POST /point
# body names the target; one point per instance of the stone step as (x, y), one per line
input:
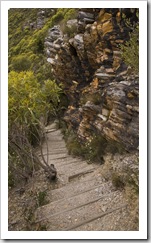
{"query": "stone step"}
(74, 212)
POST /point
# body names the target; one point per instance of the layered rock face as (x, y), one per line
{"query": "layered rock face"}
(103, 95)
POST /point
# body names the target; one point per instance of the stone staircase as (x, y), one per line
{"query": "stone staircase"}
(83, 199)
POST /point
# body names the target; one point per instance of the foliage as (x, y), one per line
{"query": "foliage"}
(74, 146)
(91, 150)
(96, 148)
(28, 102)
(118, 181)
(32, 93)
(70, 31)
(26, 44)
(130, 50)
(27, 97)
(71, 14)
(21, 63)
(41, 198)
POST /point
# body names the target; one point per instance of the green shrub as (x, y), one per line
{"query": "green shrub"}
(114, 147)
(41, 198)
(40, 45)
(130, 50)
(92, 150)
(71, 14)
(117, 181)
(57, 18)
(70, 31)
(21, 63)
(75, 147)
(95, 148)
(28, 102)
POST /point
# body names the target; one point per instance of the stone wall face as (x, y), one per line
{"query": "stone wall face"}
(103, 96)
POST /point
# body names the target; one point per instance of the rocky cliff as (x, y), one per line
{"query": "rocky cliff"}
(102, 92)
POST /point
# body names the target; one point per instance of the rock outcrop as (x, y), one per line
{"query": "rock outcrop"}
(103, 95)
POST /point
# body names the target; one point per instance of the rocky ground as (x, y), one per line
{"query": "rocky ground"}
(83, 198)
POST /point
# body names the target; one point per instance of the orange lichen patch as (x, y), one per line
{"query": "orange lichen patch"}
(94, 32)
(71, 107)
(116, 63)
(130, 95)
(107, 27)
(95, 83)
(118, 17)
(119, 41)
(106, 50)
(103, 17)
(104, 57)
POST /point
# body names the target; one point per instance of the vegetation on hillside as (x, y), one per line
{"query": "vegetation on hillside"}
(26, 41)
(32, 92)
(130, 50)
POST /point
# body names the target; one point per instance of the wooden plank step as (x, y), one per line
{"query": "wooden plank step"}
(75, 188)
(118, 220)
(95, 217)
(84, 198)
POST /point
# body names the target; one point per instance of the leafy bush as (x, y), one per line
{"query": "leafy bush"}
(28, 102)
(27, 97)
(41, 198)
(71, 14)
(96, 148)
(57, 18)
(91, 150)
(74, 146)
(70, 31)
(21, 63)
(118, 181)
